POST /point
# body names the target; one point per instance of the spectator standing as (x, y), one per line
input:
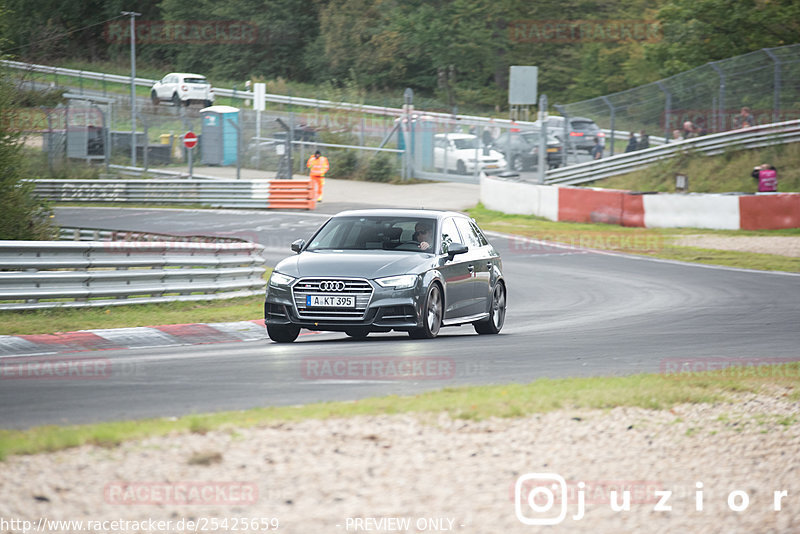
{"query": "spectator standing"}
(744, 119)
(689, 130)
(767, 176)
(677, 135)
(597, 149)
(644, 140)
(318, 165)
(632, 143)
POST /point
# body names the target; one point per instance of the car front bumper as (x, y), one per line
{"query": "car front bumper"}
(387, 309)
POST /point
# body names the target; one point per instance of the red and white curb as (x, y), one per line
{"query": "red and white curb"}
(132, 338)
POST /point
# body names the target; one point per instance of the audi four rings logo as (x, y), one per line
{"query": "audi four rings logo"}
(331, 286)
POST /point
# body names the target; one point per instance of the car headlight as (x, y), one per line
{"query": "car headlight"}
(280, 280)
(404, 281)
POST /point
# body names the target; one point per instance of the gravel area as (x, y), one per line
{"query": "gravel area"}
(325, 476)
(780, 245)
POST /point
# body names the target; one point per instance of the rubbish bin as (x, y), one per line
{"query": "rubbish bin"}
(165, 139)
(220, 138)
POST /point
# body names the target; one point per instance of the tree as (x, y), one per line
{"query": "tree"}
(22, 215)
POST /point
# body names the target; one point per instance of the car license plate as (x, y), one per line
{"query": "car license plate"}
(491, 166)
(552, 150)
(330, 301)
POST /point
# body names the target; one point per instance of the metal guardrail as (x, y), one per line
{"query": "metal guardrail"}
(216, 193)
(275, 99)
(67, 233)
(52, 274)
(756, 137)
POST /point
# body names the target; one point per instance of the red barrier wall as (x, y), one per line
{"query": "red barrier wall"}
(590, 205)
(633, 210)
(769, 212)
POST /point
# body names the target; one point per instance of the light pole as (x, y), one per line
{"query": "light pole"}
(133, 14)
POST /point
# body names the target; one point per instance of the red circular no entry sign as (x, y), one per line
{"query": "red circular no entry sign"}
(190, 140)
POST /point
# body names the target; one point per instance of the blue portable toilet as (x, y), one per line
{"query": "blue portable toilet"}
(220, 139)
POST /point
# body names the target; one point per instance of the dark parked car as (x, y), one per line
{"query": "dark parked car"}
(375, 271)
(582, 132)
(523, 152)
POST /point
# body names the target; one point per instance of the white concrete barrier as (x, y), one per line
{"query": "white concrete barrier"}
(719, 212)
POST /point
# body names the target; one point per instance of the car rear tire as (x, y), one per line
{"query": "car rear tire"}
(432, 314)
(516, 163)
(497, 312)
(460, 167)
(283, 334)
(176, 100)
(208, 103)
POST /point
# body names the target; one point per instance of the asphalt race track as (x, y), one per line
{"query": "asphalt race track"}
(571, 312)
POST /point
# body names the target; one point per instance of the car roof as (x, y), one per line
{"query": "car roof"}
(185, 74)
(456, 135)
(399, 212)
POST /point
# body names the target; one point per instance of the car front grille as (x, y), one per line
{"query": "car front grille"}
(357, 287)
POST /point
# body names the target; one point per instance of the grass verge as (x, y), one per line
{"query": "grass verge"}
(654, 242)
(70, 319)
(649, 391)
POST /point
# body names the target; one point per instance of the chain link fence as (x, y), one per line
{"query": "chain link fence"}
(711, 97)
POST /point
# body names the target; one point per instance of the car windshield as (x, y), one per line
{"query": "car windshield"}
(374, 233)
(466, 143)
(532, 138)
(196, 80)
(583, 125)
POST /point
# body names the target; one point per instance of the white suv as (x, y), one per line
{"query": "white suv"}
(463, 152)
(183, 87)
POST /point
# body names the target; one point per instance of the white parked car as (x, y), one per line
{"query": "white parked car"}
(183, 88)
(463, 153)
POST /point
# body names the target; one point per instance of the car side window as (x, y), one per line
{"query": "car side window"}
(449, 235)
(477, 231)
(468, 234)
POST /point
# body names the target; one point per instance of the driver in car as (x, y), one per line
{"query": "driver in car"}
(422, 235)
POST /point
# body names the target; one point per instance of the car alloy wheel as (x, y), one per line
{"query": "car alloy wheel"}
(497, 313)
(283, 334)
(516, 163)
(431, 315)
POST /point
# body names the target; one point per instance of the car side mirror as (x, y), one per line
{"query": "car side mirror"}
(298, 245)
(456, 248)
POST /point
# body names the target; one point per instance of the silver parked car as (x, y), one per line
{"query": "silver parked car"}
(380, 270)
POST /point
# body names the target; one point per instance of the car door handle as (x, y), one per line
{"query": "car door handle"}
(471, 268)
(489, 264)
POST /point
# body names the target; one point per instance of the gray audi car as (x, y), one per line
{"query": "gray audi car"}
(380, 270)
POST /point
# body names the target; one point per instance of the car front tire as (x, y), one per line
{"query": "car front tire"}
(283, 334)
(154, 98)
(432, 314)
(497, 312)
(461, 168)
(357, 333)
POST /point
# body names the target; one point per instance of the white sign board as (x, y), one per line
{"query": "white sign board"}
(522, 85)
(259, 95)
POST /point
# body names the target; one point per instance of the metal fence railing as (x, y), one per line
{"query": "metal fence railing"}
(710, 97)
(51, 274)
(748, 138)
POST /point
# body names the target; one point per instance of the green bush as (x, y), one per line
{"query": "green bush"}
(381, 168)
